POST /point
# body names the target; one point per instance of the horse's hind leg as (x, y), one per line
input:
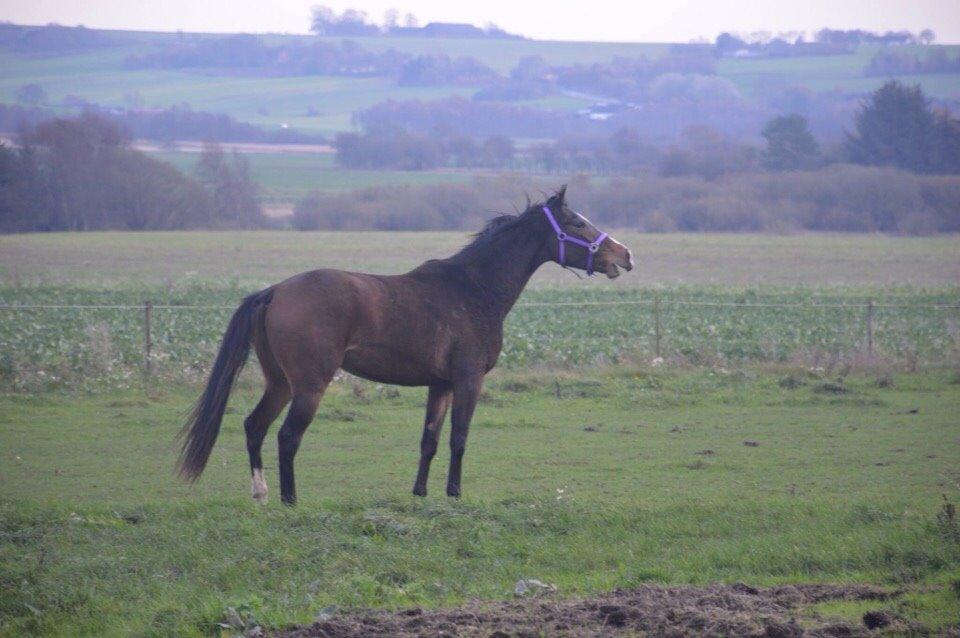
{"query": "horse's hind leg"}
(302, 409)
(274, 398)
(438, 400)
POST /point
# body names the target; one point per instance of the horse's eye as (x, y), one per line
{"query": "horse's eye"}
(579, 223)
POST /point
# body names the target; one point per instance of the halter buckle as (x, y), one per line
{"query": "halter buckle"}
(562, 239)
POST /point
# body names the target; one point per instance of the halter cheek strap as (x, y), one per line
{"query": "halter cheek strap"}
(563, 238)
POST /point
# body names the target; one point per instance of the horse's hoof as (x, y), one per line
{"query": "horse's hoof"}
(453, 491)
(258, 487)
(419, 490)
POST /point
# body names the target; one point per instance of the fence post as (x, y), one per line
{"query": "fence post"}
(656, 326)
(147, 340)
(870, 329)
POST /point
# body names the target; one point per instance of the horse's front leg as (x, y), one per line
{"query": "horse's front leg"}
(438, 400)
(466, 392)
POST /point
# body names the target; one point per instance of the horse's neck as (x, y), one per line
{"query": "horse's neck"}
(504, 270)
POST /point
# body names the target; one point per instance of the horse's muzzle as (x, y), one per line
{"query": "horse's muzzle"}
(619, 256)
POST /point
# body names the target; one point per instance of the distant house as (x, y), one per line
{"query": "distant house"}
(899, 38)
(602, 111)
(452, 30)
(409, 31)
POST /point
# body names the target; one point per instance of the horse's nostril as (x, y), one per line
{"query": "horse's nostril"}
(629, 265)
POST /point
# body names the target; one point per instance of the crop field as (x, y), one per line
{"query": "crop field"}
(95, 348)
(99, 77)
(760, 451)
(816, 317)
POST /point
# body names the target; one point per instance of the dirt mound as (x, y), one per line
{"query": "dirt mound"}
(728, 610)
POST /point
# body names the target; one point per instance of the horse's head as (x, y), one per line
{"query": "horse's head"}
(577, 243)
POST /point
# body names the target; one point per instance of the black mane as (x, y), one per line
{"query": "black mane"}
(493, 230)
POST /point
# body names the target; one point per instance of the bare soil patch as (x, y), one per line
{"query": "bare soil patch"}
(716, 610)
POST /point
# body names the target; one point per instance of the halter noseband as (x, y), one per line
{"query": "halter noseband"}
(563, 238)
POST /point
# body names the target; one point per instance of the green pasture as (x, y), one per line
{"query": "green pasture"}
(270, 102)
(591, 481)
(844, 73)
(286, 177)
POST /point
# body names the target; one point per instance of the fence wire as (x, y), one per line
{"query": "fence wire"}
(103, 344)
(541, 304)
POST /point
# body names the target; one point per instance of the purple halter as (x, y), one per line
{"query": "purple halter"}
(563, 238)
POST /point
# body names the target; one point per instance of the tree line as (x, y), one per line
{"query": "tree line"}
(888, 62)
(415, 151)
(162, 125)
(896, 126)
(669, 105)
(53, 39)
(315, 57)
(355, 22)
(825, 42)
(82, 174)
(839, 198)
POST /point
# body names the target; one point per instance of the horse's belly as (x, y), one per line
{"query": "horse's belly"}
(386, 366)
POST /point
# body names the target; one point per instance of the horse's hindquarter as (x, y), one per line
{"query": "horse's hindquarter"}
(308, 324)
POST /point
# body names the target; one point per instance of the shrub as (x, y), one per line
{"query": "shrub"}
(841, 198)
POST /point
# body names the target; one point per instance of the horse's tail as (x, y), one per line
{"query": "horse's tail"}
(200, 431)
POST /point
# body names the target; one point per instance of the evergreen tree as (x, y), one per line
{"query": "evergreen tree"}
(790, 145)
(896, 127)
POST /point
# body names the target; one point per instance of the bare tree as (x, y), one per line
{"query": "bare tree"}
(391, 18)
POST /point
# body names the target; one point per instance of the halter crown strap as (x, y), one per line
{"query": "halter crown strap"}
(563, 238)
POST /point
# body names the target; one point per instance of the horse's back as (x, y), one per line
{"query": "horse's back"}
(390, 328)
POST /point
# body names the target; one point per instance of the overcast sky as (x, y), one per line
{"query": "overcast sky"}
(610, 20)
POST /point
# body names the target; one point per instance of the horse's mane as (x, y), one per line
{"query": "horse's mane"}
(495, 229)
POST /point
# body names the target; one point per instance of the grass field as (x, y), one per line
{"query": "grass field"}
(627, 478)
(132, 261)
(757, 77)
(99, 77)
(593, 475)
(287, 177)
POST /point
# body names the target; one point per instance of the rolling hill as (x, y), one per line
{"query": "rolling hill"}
(325, 104)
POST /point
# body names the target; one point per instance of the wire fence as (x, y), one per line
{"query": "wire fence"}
(97, 344)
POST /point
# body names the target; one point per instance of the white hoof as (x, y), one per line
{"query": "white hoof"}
(258, 487)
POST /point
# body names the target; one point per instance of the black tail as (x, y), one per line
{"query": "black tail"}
(201, 429)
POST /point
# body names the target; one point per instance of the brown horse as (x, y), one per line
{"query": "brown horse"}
(439, 325)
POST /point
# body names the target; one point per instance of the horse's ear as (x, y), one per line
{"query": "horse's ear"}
(558, 201)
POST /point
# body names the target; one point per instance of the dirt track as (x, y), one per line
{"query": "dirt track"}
(727, 610)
